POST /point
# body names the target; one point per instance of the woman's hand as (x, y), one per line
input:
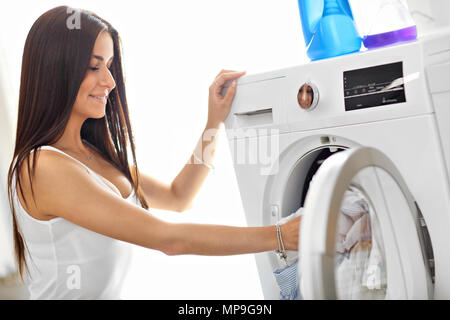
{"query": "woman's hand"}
(290, 233)
(218, 105)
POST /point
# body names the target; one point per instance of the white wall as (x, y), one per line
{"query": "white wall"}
(6, 151)
(430, 14)
(172, 52)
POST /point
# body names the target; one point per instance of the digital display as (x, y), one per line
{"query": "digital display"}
(374, 86)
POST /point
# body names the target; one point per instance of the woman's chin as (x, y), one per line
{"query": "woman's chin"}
(98, 116)
(95, 115)
(97, 112)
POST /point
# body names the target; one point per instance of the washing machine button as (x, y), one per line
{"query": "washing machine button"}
(308, 96)
(274, 212)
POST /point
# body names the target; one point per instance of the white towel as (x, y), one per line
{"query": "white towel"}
(354, 203)
(359, 232)
(360, 272)
(353, 221)
(362, 275)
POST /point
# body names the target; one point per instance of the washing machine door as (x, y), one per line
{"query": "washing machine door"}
(362, 235)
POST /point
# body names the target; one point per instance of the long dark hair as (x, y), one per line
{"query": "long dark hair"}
(55, 60)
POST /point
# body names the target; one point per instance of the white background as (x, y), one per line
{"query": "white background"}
(172, 52)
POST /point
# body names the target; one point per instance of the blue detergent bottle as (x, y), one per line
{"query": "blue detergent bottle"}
(328, 27)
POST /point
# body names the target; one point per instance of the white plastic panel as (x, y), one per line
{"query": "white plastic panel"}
(257, 104)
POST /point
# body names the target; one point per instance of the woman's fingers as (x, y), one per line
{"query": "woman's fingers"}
(225, 71)
(231, 92)
(219, 105)
(222, 78)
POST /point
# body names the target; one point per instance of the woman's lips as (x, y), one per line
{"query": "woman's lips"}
(101, 99)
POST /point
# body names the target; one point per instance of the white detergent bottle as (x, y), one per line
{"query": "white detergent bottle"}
(384, 22)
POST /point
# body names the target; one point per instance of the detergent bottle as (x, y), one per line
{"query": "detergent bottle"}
(329, 28)
(385, 22)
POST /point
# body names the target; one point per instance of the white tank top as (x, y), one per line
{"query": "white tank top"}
(69, 261)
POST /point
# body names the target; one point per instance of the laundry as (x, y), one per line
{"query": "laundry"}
(286, 273)
(349, 272)
(354, 257)
(287, 279)
(353, 221)
(361, 275)
(360, 271)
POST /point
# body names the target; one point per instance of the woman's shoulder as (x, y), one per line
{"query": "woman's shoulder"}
(44, 159)
(51, 170)
(47, 159)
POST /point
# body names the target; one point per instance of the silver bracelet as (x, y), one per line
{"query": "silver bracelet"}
(281, 251)
(210, 166)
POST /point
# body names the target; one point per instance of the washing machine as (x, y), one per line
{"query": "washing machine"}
(374, 121)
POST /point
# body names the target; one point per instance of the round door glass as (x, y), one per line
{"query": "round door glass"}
(362, 235)
(360, 268)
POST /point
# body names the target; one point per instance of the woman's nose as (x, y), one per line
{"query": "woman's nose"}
(108, 80)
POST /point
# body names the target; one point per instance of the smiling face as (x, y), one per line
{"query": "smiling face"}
(98, 81)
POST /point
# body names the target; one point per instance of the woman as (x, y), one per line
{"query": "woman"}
(79, 198)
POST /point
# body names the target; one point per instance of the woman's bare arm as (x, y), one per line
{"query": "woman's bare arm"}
(65, 189)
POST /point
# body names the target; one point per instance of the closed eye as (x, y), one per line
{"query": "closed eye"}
(100, 58)
(97, 68)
